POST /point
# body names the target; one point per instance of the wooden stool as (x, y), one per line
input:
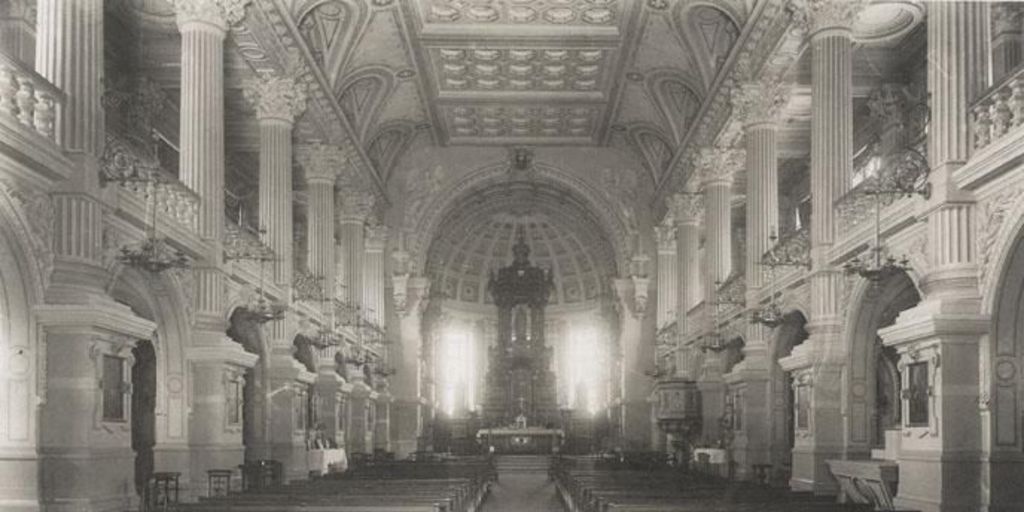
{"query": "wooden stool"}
(162, 493)
(219, 481)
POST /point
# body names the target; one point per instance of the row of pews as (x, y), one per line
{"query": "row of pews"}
(393, 486)
(589, 485)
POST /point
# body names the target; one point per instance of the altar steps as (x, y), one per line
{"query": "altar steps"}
(506, 464)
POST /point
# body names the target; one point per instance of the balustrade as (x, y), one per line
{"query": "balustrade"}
(139, 174)
(27, 98)
(999, 111)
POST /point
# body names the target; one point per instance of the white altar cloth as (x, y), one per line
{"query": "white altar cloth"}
(327, 461)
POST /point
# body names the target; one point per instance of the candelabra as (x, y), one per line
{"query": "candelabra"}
(770, 315)
(263, 310)
(879, 266)
(713, 340)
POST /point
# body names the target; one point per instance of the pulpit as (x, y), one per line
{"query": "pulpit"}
(677, 409)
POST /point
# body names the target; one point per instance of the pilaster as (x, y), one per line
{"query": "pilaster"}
(406, 419)
(636, 359)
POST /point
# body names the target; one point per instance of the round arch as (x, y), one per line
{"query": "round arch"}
(874, 306)
(21, 287)
(597, 203)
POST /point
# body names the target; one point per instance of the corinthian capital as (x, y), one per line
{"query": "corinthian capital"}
(276, 97)
(375, 235)
(665, 236)
(355, 204)
(718, 165)
(218, 13)
(814, 16)
(759, 102)
(687, 208)
(320, 161)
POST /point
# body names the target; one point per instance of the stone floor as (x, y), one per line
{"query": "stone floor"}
(523, 492)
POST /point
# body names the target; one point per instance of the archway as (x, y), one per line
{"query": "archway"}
(244, 331)
(872, 394)
(788, 336)
(143, 411)
(1002, 397)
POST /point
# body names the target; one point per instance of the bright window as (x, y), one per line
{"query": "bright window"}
(586, 369)
(457, 371)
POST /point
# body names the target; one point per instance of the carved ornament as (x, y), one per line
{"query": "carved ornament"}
(220, 13)
(687, 207)
(718, 165)
(276, 97)
(814, 16)
(320, 161)
(760, 101)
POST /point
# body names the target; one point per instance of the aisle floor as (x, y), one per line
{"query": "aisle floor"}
(523, 492)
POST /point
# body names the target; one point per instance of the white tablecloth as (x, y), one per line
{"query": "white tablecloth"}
(715, 455)
(327, 461)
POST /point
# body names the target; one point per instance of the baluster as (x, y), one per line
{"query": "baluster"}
(26, 98)
(8, 91)
(45, 114)
(1000, 113)
(1017, 100)
(982, 127)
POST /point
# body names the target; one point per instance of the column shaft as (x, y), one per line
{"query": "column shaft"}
(762, 198)
(69, 53)
(201, 136)
(320, 225)
(718, 259)
(275, 189)
(668, 280)
(831, 129)
(352, 258)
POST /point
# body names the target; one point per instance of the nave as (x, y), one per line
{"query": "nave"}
(523, 483)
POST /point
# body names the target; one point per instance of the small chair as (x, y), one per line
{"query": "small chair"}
(762, 472)
(219, 481)
(162, 492)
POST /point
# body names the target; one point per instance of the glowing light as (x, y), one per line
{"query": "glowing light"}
(457, 371)
(586, 369)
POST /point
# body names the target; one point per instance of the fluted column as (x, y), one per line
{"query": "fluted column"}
(355, 206)
(203, 25)
(668, 269)
(717, 166)
(947, 330)
(69, 53)
(687, 209)
(828, 25)
(18, 30)
(1007, 37)
(321, 164)
(374, 242)
(278, 101)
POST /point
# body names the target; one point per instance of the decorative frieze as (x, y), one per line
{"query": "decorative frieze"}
(814, 16)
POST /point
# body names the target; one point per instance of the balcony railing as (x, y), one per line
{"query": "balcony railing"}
(26, 98)
(999, 111)
(137, 172)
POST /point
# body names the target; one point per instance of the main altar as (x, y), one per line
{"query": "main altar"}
(520, 383)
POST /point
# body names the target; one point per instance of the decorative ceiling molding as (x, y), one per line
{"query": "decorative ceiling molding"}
(711, 32)
(361, 96)
(677, 97)
(388, 144)
(329, 29)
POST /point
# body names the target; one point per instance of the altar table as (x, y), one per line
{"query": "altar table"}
(327, 461)
(531, 440)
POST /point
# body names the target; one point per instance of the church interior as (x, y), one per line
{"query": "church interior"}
(511, 255)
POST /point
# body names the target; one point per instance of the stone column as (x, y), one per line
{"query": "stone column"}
(635, 412)
(321, 164)
(355, 207)
(360, 433)
(406, 419)
(757, 105)
(939, 462)
(289, 394)
(1007, 38)
(665, 237)
(687, 211)
(375, 239)
(278, 101)
(18, 30)
(69, 53)
(382, 427)
(331, 389)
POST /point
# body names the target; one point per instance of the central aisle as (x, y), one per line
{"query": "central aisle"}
(522, 486)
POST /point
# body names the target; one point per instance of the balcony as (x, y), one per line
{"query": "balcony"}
(28, 100)
(999, 111)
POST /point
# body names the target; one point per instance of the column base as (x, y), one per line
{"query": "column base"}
(19, 471)
(89, 480)
(811, 473)
(933, 483)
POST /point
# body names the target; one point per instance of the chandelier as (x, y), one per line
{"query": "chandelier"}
(771, 315)
(327, 335)
(153, 253)
(880, 266)
(263, 310)
(713, 341)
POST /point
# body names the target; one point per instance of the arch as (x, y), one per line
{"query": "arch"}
(329, 28)
(362, 95)
(677, 98)
(655, 149)
(1002, 389)
(875, 305)
(20, 351)
(787, 336)
(711, 32)
(608, 213)
(387, 145)
(161, 300)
